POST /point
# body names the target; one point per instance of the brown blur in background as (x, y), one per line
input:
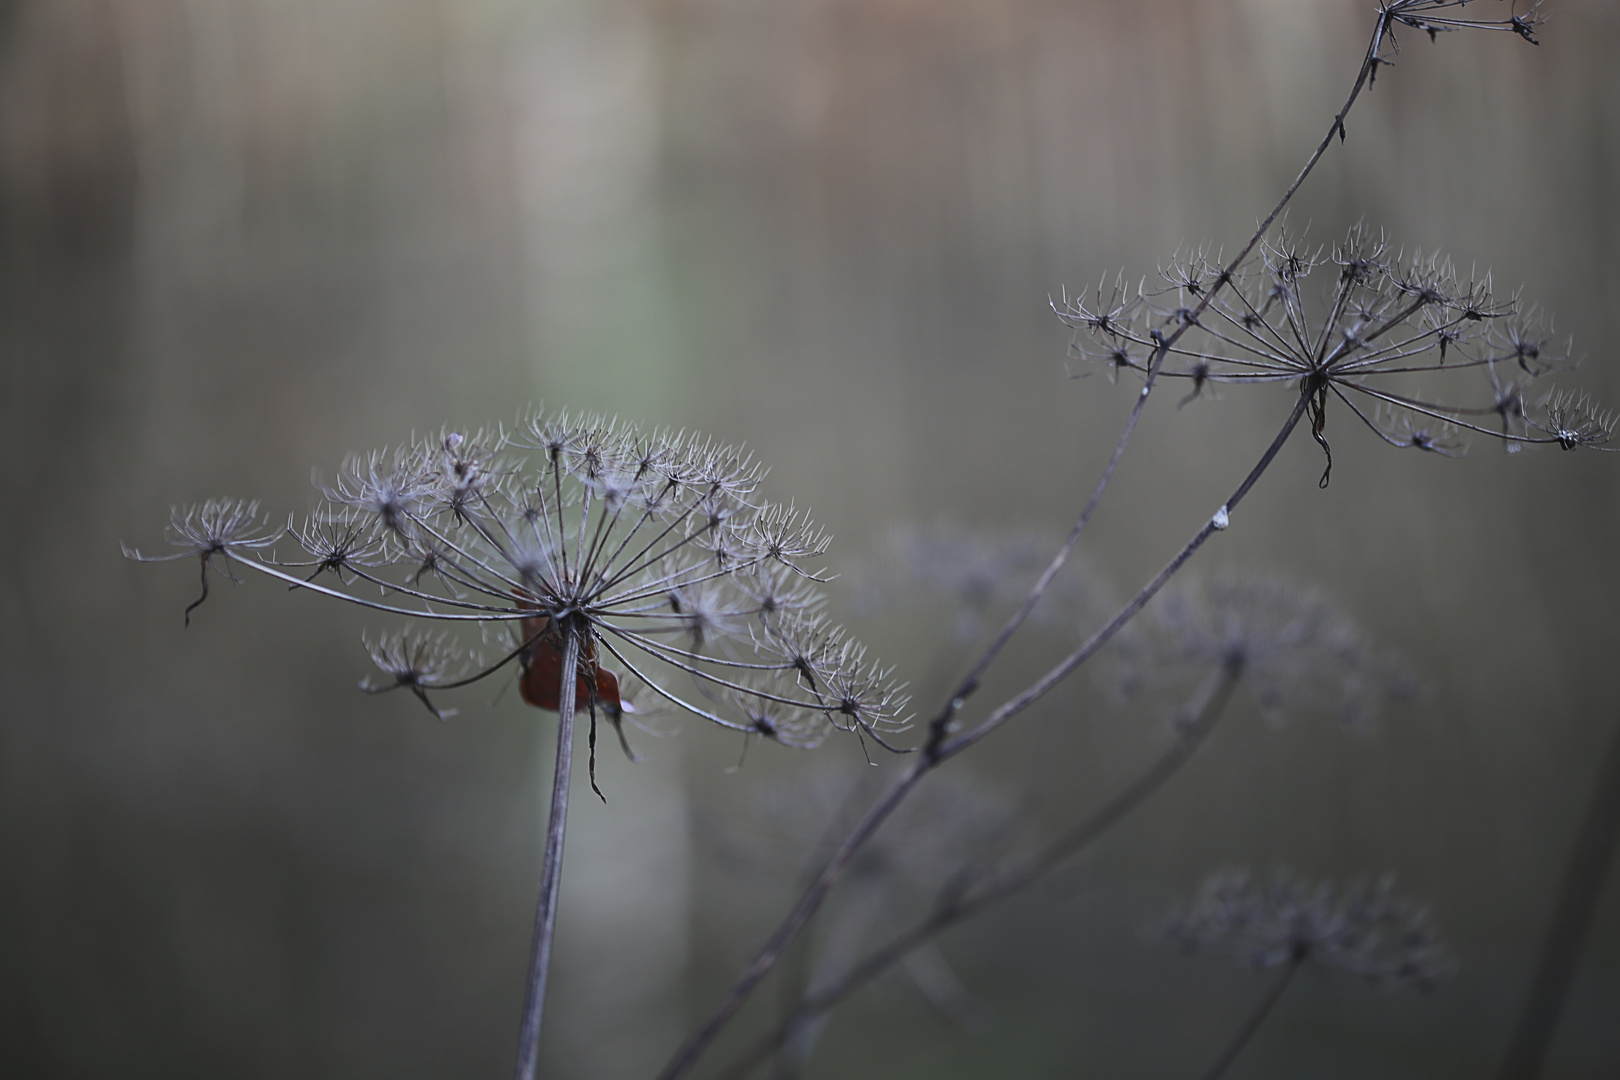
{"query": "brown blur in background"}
(243, 238)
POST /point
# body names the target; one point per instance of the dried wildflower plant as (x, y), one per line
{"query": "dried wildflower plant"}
(589, 553)
(1357, 324)
(588, 550)
(1290, 647)
(1358, 328)
(1366, 929)
(653, 552)
(950, 831)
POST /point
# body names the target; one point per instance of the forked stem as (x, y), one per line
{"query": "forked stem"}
(545, 914)
(1196, 718)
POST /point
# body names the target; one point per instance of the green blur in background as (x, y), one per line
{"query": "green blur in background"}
(244, 239)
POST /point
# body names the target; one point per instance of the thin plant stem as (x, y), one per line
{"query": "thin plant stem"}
(1195, 720)
(1589, 861)
(545, 914)
(1256, 1018)
(1042, 686)
(940, 726)
(926, 762)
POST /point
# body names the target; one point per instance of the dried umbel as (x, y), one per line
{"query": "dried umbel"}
(652, 552)
(1289, 646)
(1356, 324)
(1435, 17)
(1367, 929)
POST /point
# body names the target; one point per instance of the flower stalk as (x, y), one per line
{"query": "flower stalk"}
(545, 913)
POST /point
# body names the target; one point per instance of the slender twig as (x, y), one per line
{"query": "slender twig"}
(1589, 861)
(934, 750)
(545, 914)
(1194, 721)
(1256, 1018)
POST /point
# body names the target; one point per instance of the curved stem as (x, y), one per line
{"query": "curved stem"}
(1256, 1018)
(1196, 718)
(545, 915)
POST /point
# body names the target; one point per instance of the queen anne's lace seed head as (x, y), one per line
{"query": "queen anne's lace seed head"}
(1358, 328)
(339, 540)
(978, 576)
(653, 552)
(1367, 929)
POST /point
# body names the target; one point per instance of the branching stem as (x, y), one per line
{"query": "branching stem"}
(925, 763)
(1194, 721)
(939, 746)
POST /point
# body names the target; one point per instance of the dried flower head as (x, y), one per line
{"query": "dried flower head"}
(1292, 648)
(1574, 419)
(414, 662)
(652, 553)
(1435, 17)
(222, 529)
(1356, 324)
(1366, 929)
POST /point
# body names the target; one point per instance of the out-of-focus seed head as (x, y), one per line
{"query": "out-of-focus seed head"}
(1290, 647)
(978, 574)
(1367, 929)
(953, 827)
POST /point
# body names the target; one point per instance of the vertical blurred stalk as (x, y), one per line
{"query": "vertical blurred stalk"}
(1571, 919)
(545, 915)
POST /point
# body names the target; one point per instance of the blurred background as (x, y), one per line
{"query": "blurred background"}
(243, 239)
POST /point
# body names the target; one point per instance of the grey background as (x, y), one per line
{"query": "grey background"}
(242, 239)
